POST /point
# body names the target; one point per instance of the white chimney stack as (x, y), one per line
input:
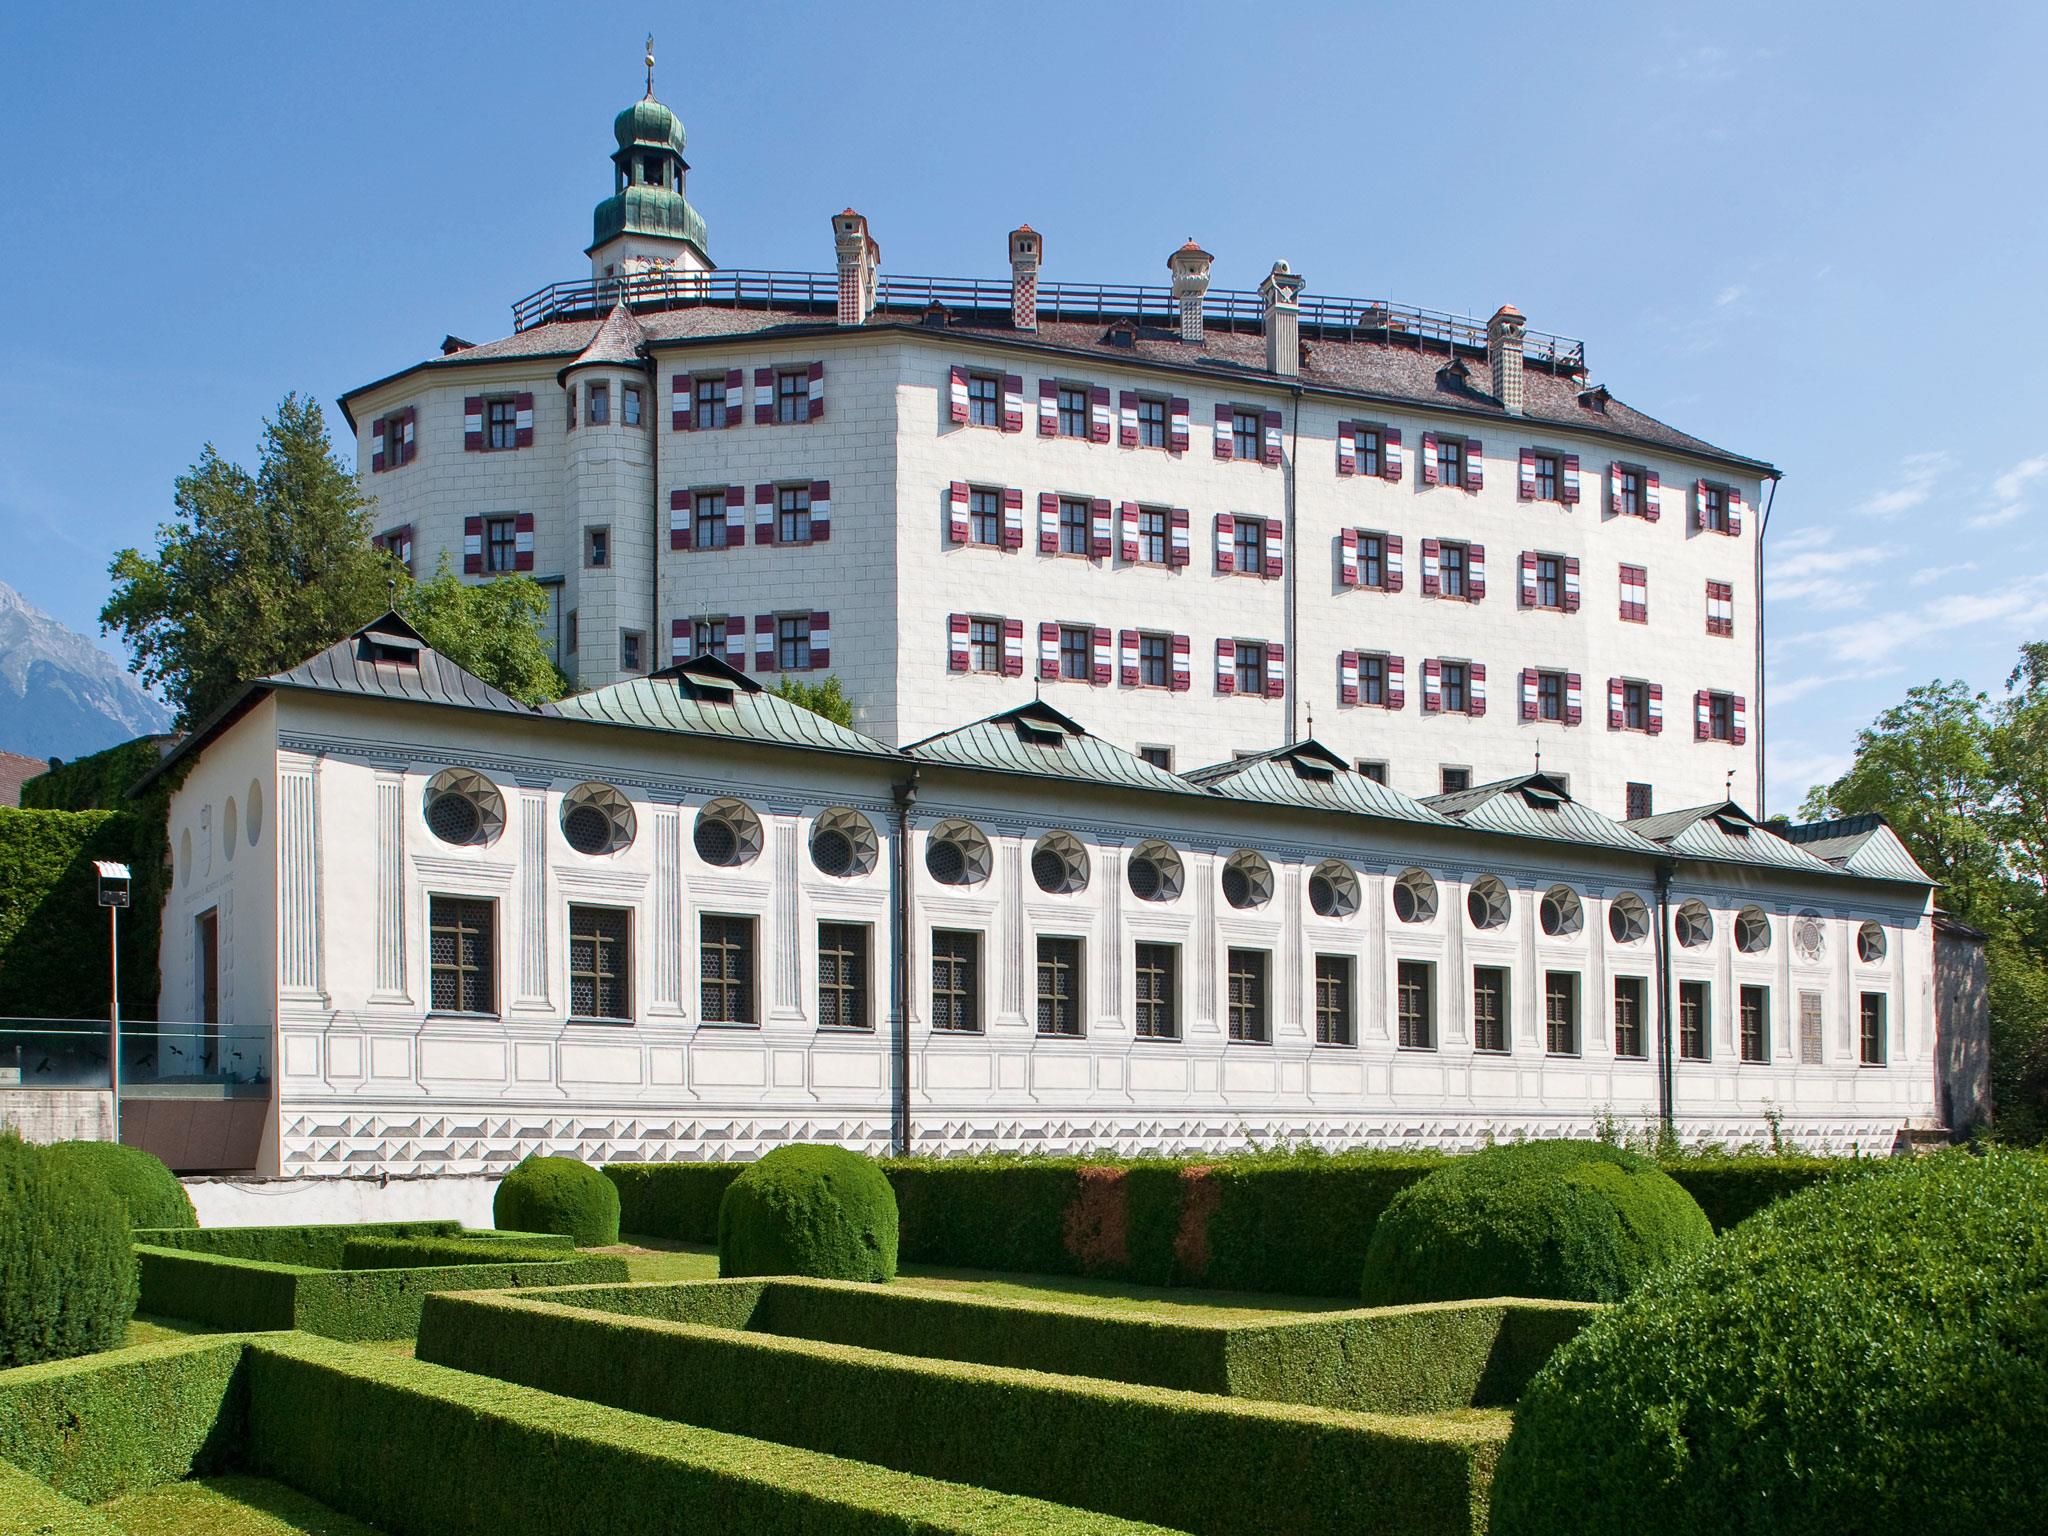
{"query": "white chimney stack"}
(1027, 249)
(1280, 300)
(1190, 268)
(859, 257)
(1504, 333)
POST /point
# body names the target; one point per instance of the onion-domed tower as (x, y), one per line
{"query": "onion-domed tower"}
(647, 225)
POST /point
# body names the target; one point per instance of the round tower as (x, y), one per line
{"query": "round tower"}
(647, 224)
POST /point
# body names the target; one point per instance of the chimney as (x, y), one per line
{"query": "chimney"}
(1027, 246)
(1280, 307)
(1504, 334)
(1190, 268)
(858, 258)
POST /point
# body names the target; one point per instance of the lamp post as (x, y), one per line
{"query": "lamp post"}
(114, 882)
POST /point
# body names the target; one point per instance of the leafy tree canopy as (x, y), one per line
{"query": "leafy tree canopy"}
(825, 698)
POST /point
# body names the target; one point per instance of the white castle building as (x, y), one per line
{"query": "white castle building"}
(1084, 877)
(1191, 519)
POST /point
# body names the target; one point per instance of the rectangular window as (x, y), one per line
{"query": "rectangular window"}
(1692, 1021)
(629, 405)
(1415, 1004)
(843, 990)
(985, 644)
(1721, 716)
(1720, 608)
(1756, 1023)
(1546, 477)
(792, 395)
(1374, 769)
(597, 548)
(1639, 804)
(985, 516)
(1490, 1008)
(1333, 1000)
(1077, 653)
(1075, 538)
(984, 400)
(1152, 535)
(793, 514)
(1158, 757)
(956, 979)
(1549, 581)
(1059, 986)
(725, 968)
(1561, 1013)
(501, 421)
(1453, 781)
(707, 520)
(1629, 995)
(793, 642)
(1631, 492)
(1452, 562)
(1450, 461)
(707, 635)
(1809, 1029)
(1549, 695)
(1871, 1020)
(1456, 686)
(501, 544)
(1151, 421)
(1372, 561)
(707, 402)
(1635, 706)
(1372, 680)
(1717, 509)
(1247, 994)
(462, 954)
(1158, 967)
(394, 441)
(1073, 411)
(632, 646)
(1248, 546)
(1154, 660)
(600, 964)
(600, 399)
(1251, 667)
(1366, 443)
(1245, 436)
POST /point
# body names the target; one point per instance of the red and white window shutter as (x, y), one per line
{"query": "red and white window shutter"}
(1226, 666)
(1103, 658)
(1048, 523)
(1390, 454)
(1571, 583)
(1048, 652)
(1525, 480)
(736, 641)
(1347, 677)
(682, 409)
(1348, 559)
(1734, 512)
(821, 511)
(735, 516)
(1529, 578)
(764, 514)
(1179, 550)
(1738, 719)
(1653, 496)
(958, 626)
(1347, 450)
(522, 541)
(1397, 682)
(1428, 466)
(1635, 594)
(1720, 608)
(1615, 504)
(1616, 716)
(1183, 664)
(1127, 530)
(957, 398)
(680, 529)
(1432, 686)
(764, 397)
(1177, 431)
(1127, 657)
(1475, 572)
(735, 397)
(1276, 549)
(1475, 466)
(958, 527)
(821, 641)
(1276, 671)
(1223, 445)
(1127, 418)
(1048, 407)
(1653, 708)
(1394, 572)
(1013, 517)
(1475, 688)
(1568, 488)
(1013, 402)
(764, 642)
(472, 546)
(1574, 699)
(1098, 414)
(1702, 715)
(473, 424)
(1226, 542)
(1013, 647)
(1432, 568)
(1101, 542)
(815, 385)
(1270, 434)
(1529, 686)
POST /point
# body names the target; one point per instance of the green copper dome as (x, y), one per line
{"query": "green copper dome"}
(647, 196)
(647, 211)
(647, 121)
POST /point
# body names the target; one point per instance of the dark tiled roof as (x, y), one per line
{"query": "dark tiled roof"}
(387, 659)
(617, 342)
(1037, 739)
(1858, 845)
(1726, 834)
(15, 771)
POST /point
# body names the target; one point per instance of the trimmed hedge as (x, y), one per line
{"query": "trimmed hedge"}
(819, 1211)
(1576, 1220)
(1871, 1355)
(676, 1201)
(311, 1247)
(1194, 1462)
(104, 1425)
(67, 1277)
(147, 1190)
(426, 1252)
(460, 1455)
(559, 1194)
(30, 1507)
(53, 942)
(1733, 1189)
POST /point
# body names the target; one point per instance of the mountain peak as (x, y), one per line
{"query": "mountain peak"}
(61, 695)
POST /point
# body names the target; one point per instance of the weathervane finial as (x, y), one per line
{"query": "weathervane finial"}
(650, 66)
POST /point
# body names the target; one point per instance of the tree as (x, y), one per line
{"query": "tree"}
(827, 698)
(258, 572)
(491, 629)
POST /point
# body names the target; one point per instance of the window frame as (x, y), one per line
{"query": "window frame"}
(1443, 778)
(1550, 582)
(1076, 652)
(1248, 1020)
(1247, 545)
(963, 980)
(977, 643)
(985, 502)
(984, 397)
(704, 637)
(1454, 566)
(1162, 1022)
(1695, 1037)
(793, 396)
(1635, 704)
(709, 401)
(1073, 530)
(1155, 649)
(1561, 1009)
(597, 547)
(1649, 800)
(861, 991)
(746, 944)
(1550, 469)
(1374, 768)
(1155, 429)
(1448, 675)
(501, 423)
(1873, 1049)
(1415, 1029)
(707, 519)
(793, 514)
(622, 970)
(1240, 435)
(1068, 957)
(597, 403)
(487, 935)
(1639, 1001)
(793, 631)
(1372, 559)
(1450, 461)
(632, 406)
(1368, 448)
(1073, 409)
(1336, 1000)
(1550, 694)
(1502, 987)
(501, 537)
(1151, 537)
(1720, 716)
(1248, 660)
(1748, 994)
(632, 642)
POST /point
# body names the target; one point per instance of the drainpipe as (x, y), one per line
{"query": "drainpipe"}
(1666, 1088)
(1763, 527)
(899, 967)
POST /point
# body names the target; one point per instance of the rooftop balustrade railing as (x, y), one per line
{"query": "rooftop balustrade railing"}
(50, 1054)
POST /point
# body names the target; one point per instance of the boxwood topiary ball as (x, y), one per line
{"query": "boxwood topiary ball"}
(1869, 1355)
(67, 1272)
(819, 1211)
(559, 1194)
(149, 1191)
(1574, 1220)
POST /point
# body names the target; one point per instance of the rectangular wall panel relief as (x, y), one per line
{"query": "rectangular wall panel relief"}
(533, 898)
(667, 937)
(600, 1063)
(300, 946)
(462, 1060)
(846, 1069)
(1292, 1020)
(789, 945)
(1012, 919)
(955, 1070)
(390, 914)
(1111, 1003)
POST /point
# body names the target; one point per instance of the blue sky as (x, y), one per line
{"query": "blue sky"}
(1810, 233)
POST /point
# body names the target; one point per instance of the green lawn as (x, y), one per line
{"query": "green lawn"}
(228, 1506)
(654, 1259)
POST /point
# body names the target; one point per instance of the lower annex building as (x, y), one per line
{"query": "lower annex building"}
(680, 917)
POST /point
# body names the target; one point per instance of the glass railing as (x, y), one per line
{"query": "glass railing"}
(50, 1054)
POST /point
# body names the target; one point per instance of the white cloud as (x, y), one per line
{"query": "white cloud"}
(2019, 607)
(1729, 295)
(1935, 573)
(1790, 771)
(1797, 688)
(1811, 570)
(1918, 473)
(1998, 517)
(2009, 490)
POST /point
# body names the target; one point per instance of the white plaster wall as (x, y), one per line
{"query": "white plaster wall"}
(337, 1198)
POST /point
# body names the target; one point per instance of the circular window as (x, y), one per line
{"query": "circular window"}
(230, 831)
(597, 819)
(1247, 880)
(1488, 903)
(1415, 897)
(957, 853)
(1752, 931)
(1333, 889)
(1155, 872)
(1628, 918)
(1694, 925)
(253, 812)
(727, 834)
(1870, 943)
(185, 857)
(843, 843)
(1810, 937)
(1561, 914)
(1060, 864)
(463, 808)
